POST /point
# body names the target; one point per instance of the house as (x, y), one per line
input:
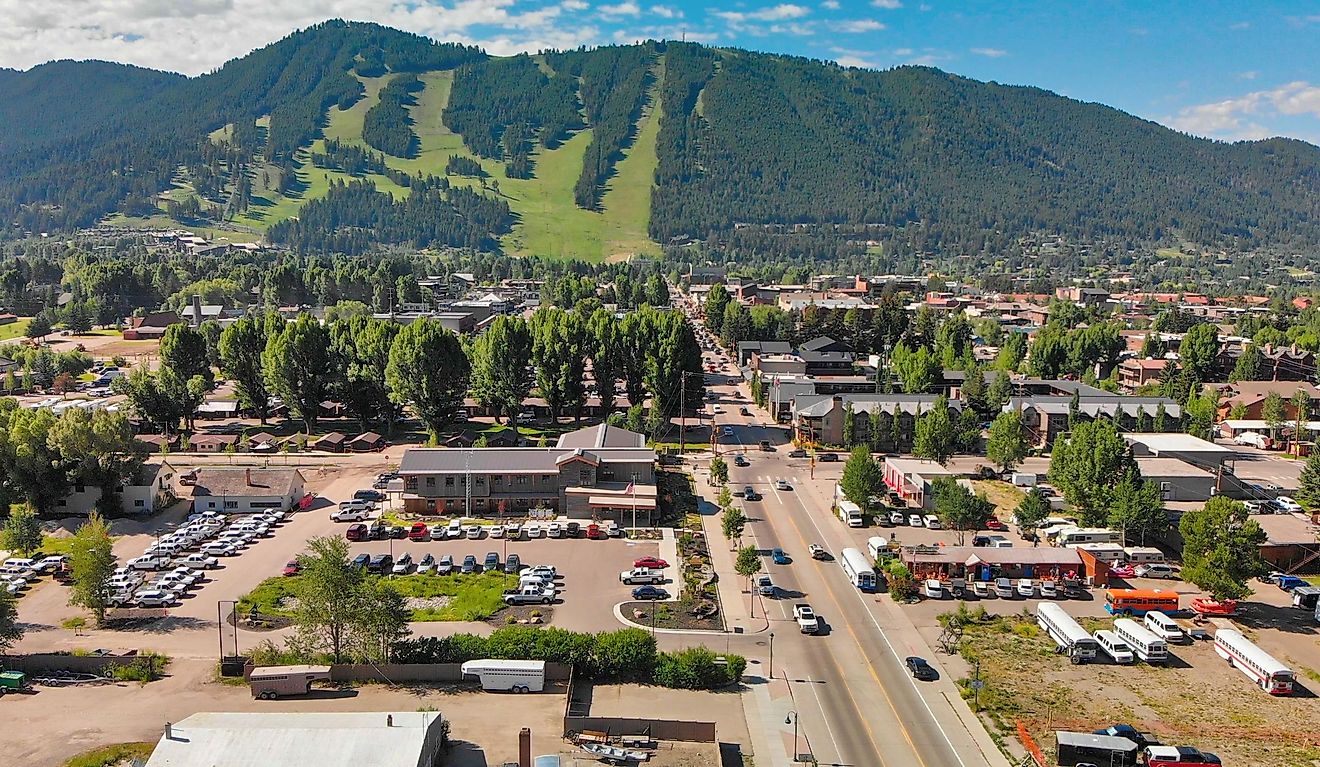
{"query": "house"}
(212, 443)
(1134, 373)
(264, 442)
(331, 443)
(158, 443)
(822, 418)
(501, 437)
(325, 739)
(331, 409)
(1246, 399)
(151, 326)
(218, 409)
(1177, 479)
(1047, 416)
(600, 472)
(705, 275)
(366, 442)
(243, 490)
(748, 348)
(1287, 363)
(911, 478)
(149, 490)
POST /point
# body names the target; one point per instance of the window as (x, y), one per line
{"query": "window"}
(430, 481)
(62, 502)
(410, 483)
(449, 481)
(584, 477)
(139, 503)
(497, 480)
(210, 504)
(521, 479)
(481, 480)
(231, 504)
(79, 488)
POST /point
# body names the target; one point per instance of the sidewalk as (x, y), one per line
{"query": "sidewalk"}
(767, 705)
(734, 601)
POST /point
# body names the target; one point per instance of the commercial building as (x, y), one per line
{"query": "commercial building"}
(1045, 417)
(239, 491)
(1184, 447)
(822, 418)
(985, 563)
(911, 478)
(1246, 399)
(601, 472)
(1177, 479)
(325, 739)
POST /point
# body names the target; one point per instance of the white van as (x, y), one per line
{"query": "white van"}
(18, 564)
(1004, 588)
(932, 522)
(1164, 627)
(1113, 646)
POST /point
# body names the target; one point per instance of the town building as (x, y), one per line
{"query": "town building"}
(1136, 373)
(151, 326)
(1178, 480)
(600, 472)
(1045, 417)
(912, 478)
(325, 739)
(1184, 447)
(236, 490)
(822, 418)
(1246, 399)
(150, 489)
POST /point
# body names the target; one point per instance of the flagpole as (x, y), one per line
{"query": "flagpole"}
(633, 485)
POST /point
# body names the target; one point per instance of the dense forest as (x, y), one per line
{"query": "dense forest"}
(755, 153)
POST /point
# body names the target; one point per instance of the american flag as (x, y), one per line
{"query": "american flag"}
(631, 488)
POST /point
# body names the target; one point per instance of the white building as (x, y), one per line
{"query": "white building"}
(239, 490)
(152, 489)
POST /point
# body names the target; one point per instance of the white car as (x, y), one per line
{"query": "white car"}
(403, 564)
(171, 582)
(149, 562)
(513, 531)
(1026, 588)
(782, 484)
(1155, 570)
(188, 574)
(915, 520)
(1288, 504)
(534, 530)
(349, 515)
(156, 598)
(220, 549)
(473, 531)
(120, 597)
(455, 528)
(496, 531)
(51, 563)
(544, 572)
(932, 522)
(555, 530)
(198, 561)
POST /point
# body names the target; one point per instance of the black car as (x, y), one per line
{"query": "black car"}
(513, 564)
(740, 460)
(361, 560)
(380, 563)
(827, 457)
(649, 592)
(492, 562)
(920, 669)
(369, 495)
(572, 529)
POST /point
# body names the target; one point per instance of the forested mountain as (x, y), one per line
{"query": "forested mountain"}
(781, 153)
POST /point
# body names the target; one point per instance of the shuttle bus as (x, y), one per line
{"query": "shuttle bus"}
(850, 513)
(875, 545)
(1243, 654)
(1128, 602)
(1066, 632)
(859, 571)
(507, 675)
(1145, 645)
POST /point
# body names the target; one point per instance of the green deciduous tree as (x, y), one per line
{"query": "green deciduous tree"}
(603, 347)
(719, 470)
(748, 562)
(716, 300)
(501, 366)
(560, 345)
(1308, 491)
(328, 591)
(935, 438)
(1006, 444)
(1088, 465)
(361, 347)
(91, 565)
(1221, 548)
(299, 367)
(1274, 411)
(1137, 509)
(917, 370)
(240, 348)
(22, 531)
(733, 522)
(183, 351)
(862, 477)
(10, 629)
(1032, 509)
(1248, 365)
(428, 371)
(958, 508)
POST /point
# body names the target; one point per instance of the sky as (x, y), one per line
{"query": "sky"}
(1225, 70)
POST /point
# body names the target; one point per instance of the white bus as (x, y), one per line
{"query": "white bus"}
(874, 545)
(858, 570)
(850, 513)
(1066, 632)
(1145, 645)
(507, 675)
(1243, 654)
(1073, 535)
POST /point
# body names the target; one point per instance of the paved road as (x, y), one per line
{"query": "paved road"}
(857, 704)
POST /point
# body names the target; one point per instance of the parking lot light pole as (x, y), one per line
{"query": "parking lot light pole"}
(772, 655)
(793, 716)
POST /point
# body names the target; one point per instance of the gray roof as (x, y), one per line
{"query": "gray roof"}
(810, 356)
(265, 482)
(770, 347)
(601, 435)
(819, 342)
(1092, 406)
(816, 406)
(510, 460)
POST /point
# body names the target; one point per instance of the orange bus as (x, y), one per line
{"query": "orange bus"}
(1140, 601)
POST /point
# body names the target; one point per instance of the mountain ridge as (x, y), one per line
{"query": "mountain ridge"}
(776, 140)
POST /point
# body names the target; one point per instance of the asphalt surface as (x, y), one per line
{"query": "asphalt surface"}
(856, 702)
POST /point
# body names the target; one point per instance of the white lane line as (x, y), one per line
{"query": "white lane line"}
(838, 753)
(867, 609)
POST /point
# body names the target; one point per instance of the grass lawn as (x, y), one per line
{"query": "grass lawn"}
(15, 329)
(52, 545)
(471, 597)
(111, 756)
(1003, 495)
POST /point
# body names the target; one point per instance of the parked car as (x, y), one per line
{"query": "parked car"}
(994, 524)
(427, 565)
(454, 529)
(357, 532)
(473, 531)
(419, 532)
(469, 564)
(1288, 504)
(915, 520)
(782, 484)
(1049, 590)
(361, 561)
(199, 561)
(920, 669)
(492, 563)
(369, 495)
(445, 566)
(1155, 570)
(1289, 582)
(403, 565)
(155, 598)
(654, 563)
(544, 572)
(292, 568)
(349, 514)
(495, 531)
(512, 564)
(380, 563)
(797, 452)
(1026, 588)
(649, 592)
(827, 457)
(778, 556)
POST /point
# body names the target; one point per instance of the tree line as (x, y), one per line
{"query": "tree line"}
(387, 126)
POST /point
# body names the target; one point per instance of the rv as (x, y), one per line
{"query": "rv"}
(1145, 645)
(270, 682)
(1105, 552)
(1243, 654)
(507, 675)
(859, 571)
(1072, 535)
(1066, 632)
(1142, 555)
(1074, 748)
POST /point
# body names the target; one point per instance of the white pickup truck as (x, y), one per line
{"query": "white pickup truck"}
(806, 618)
(642, 575)
(530, 595)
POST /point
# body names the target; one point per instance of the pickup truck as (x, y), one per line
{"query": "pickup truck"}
(529, 595)
(639, 575)
(806, 618)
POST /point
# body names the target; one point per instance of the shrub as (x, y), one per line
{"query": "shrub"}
(146, 667)
(694, 668)
(901, 584)
(627, 656)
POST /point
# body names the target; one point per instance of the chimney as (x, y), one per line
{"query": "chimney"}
(169, 731)
(197, 309)
(247, 473)
(525, 748)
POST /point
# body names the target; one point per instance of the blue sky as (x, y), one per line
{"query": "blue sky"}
(1226, 70)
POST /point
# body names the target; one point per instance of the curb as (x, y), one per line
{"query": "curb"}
(618, 614)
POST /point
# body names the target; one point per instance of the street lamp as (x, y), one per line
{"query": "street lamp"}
(772, 655)
(793, 717)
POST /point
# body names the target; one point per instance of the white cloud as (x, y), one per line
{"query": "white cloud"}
(781, 12)
(856, 26)
(1244, 117)
(1250, 74)
(574, 5)
(830, 5)
(626, 8)
(902, 52)
(854, 61)
(665, 12)
(993, 53)
(891, 5)
(1240, 25)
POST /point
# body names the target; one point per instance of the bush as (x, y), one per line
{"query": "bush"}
(694, 668)
(626, 656)
(901, 584)
(146, 667)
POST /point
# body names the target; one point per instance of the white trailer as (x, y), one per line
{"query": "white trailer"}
(1067, 633)
(497, 675)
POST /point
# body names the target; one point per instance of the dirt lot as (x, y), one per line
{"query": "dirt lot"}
(1196, 700)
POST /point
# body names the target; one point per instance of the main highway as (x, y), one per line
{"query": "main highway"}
(856, 703)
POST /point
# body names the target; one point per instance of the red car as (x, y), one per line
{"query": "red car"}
(994, 524)
(653, 563)
(357, 532)
(419, 532)
(292, 567)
